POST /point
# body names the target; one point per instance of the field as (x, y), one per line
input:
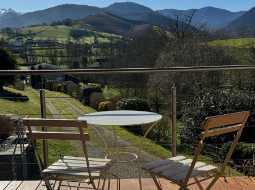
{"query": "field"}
(236, 43)
(241, 49)
(62, 33)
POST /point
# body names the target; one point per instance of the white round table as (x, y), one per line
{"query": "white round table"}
(121, 118)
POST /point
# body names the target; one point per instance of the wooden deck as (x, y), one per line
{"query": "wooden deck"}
(234, 183)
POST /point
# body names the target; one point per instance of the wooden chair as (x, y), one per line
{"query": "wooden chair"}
(180, 170)
(81, 169)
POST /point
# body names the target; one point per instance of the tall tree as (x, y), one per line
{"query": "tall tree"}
(7, 62)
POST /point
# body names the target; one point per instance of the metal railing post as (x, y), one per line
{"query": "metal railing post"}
(173, 119)
(43, 115)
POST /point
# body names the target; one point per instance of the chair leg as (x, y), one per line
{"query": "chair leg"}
(183, 188)
(199, 184)
(109, 183)
(156, 182)
(47, 183)
(104, 183)
(59, 185)
(99, 181)
(213, 182)
(93, 185)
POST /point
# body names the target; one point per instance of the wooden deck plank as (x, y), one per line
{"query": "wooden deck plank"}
(4, 184)
(29, 185)
(13, 185)
(43, 187)
(233, 183)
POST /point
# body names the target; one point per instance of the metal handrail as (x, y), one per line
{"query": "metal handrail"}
(129, 70)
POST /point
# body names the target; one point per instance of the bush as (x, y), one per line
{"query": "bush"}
(242, 158)
(71, 88)
(12, 96)
(217, 102)
(88, 90)
(7, 62)
(133, 104)
(105, 106)
(19, 85)
(78, 33)
(243, 151)
(8, 124)
(95, 98)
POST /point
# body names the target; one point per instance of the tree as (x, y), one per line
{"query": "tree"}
(7, 62)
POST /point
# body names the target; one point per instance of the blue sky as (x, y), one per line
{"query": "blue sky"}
(31, 5)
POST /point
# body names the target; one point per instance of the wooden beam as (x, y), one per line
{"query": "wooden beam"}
(38, 122)
(58, 135)
(44, 115)
(173, 120)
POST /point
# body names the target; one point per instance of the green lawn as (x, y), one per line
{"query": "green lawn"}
(30, 108)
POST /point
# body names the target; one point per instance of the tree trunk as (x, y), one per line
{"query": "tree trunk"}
(1, 88)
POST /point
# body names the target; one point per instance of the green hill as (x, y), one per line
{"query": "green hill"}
(242, 26)
(62, 33)
(241, 49)
(237, 43)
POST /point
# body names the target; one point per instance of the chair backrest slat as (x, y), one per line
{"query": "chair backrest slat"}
(36, 135)
(225, 120)
(221, 131)
(54, 134)
(38, 122)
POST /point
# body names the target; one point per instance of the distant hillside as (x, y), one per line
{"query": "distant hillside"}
(210, 17)
(130, 11)
(106, 22)
(243, 26)
(57, 13)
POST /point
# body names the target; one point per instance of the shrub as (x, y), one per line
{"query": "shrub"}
(242, 151)
(19, 85)
(7, 63)
(7, 123)
(71, 88)
(13, 96)
(78, 33)
(88, 90)
(105, 106)
(242, 158)
(133, 104)
(217, 102)
(95, 98)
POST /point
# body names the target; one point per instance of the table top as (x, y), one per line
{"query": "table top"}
(121, 118)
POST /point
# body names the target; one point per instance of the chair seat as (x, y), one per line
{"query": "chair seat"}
(175, 169)
(76, 166)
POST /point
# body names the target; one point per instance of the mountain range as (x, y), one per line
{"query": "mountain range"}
(210, 17)
(242, 26)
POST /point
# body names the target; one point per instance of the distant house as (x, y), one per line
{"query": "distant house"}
(38, 82)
